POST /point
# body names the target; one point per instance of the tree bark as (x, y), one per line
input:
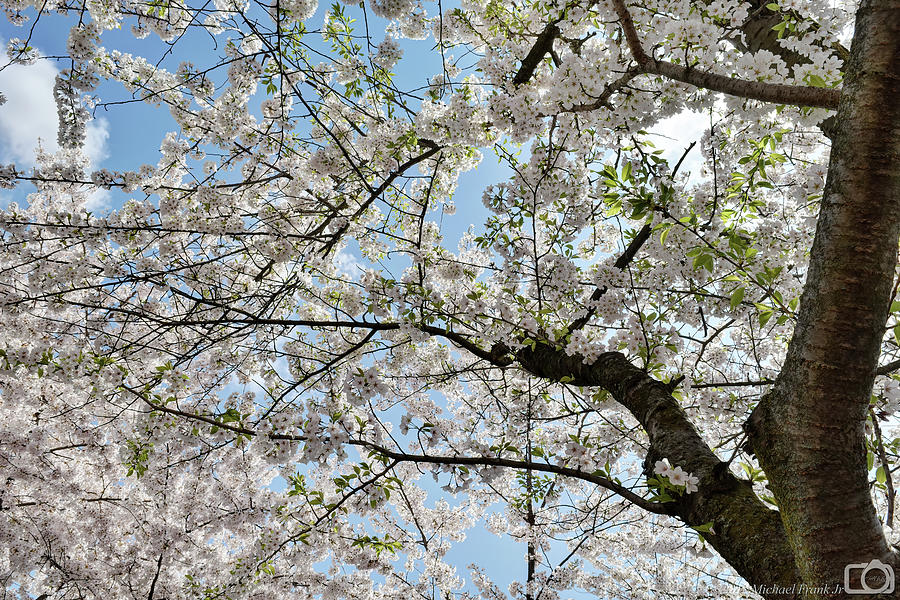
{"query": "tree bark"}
(809, 431)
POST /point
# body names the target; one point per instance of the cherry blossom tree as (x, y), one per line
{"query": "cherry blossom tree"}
(272, 373)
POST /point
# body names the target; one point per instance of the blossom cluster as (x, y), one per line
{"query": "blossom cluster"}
(676, 476)
(241, 371)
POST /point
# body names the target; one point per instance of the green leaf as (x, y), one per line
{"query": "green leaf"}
(880, 476)
(704, 261)
(664, 235)
(611, 174)
(816, 81)
(737, 296)
(704, 528)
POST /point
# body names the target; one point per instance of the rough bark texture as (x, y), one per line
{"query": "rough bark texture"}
(808, 432)
(748, 535)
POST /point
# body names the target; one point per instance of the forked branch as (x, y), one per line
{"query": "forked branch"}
(754, 90)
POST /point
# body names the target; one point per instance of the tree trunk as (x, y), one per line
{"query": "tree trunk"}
(809, 431)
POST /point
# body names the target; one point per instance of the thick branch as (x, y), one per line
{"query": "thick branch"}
(542, 46)
(749, 535)
(755, 90)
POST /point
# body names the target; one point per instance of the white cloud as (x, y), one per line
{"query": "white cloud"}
(96, 135)
(98, 201)
(347, 263)
(674, 134)
(29, 116)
